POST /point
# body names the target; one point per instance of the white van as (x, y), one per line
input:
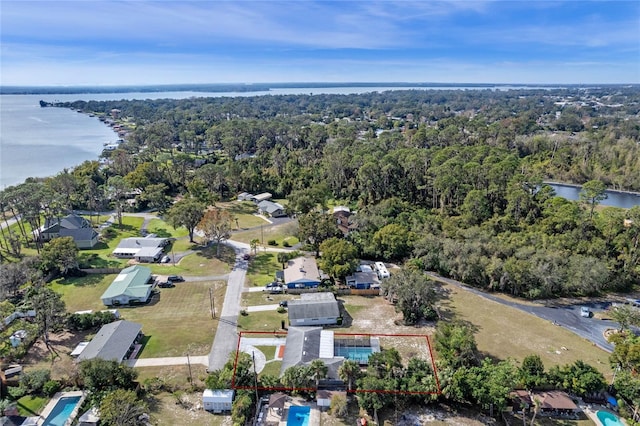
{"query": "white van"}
(381, 270)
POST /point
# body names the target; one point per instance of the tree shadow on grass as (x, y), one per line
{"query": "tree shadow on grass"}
(227, 254)
(88, 280)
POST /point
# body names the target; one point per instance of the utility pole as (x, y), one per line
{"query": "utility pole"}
(189, 364)
(262, 234)
(255, 379)
(212, 303)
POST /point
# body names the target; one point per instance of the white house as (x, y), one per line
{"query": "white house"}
(217, 400)
(143, 249)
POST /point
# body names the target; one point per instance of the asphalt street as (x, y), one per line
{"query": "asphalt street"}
(226, 339)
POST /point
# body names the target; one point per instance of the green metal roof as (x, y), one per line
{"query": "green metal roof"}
(131, 281)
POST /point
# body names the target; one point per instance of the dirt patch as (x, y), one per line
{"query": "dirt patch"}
(63, 343)
(183, 408)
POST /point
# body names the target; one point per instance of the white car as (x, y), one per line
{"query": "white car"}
(585, 312)
(165, 259)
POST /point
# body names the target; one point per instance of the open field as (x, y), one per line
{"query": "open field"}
(262, 269)
(177, 321)
(203, 262)
(263, 298)
(165, 410)
(245, 214)
(262, 321)
(503, 332)
(266, 232)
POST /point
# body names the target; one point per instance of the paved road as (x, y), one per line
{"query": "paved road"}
(567, 316)
(226, 339)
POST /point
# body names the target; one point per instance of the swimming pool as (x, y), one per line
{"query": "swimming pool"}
(62, 411)
(298, 415)
(608, 419)
(359, 354)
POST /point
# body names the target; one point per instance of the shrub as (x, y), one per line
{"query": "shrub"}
(281, 310)
(244, 312)
(272, 242)
(51, 387)
(285, 243)
(17, 392)
(35, 380)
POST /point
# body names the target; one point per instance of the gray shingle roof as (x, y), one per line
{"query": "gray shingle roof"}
(112, 342)
(314, 305)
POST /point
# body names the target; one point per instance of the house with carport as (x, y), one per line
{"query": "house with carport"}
(114, 341)
(269, 208)
(147, 249)
(132, 285)
(302, 272)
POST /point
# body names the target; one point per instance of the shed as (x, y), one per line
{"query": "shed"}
(323, 396)
(217, 400)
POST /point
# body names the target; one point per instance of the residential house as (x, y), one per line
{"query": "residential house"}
(303, 345)
(344, 219)
(115, 341)
(132, 285)
(302, 272)
(363, 280)
(245, 196)
(555, 403)
(272, 209)
(314, 309)
(74, 226)
(143, 249)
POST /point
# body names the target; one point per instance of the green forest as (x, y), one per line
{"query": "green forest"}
(446, 180)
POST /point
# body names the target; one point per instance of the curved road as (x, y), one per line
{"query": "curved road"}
(567, 316)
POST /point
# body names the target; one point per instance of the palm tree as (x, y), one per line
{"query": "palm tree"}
(283, 258)
(349, 371)
(318, 370)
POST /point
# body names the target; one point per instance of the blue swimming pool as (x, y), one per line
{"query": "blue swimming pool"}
(608, 419)
(298, 416)
(359, 354)
(62, 410)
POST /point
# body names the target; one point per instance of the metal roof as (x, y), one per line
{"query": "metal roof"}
(112, 342)
(131, 281)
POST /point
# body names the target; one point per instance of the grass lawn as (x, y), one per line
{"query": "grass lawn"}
(31, 405)
(174, 375)
(272, 368)
(504, 332)
(100, 255)
(176, 322)
(263, 298)
(244, 212)
(266, 232)
(164, 230)
(202, 262)
(262, 321)
(262, 269)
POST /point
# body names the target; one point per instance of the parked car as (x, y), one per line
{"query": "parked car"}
(585, 312)
(166, 284)
(275, 290)
(284, 303)
(165, 259)
(175, 278)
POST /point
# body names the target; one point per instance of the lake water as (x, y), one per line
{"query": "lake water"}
(40, 142)
(614, 199)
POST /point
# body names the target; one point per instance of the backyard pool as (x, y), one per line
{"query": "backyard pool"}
(608, 419)
(358, 354)
(62, 408)
(298, 415)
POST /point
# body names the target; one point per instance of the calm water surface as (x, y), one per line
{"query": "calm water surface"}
(615, 199)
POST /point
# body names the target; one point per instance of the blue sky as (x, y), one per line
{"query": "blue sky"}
(94, 42)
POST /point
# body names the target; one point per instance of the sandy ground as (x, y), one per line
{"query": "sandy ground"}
(63, 343)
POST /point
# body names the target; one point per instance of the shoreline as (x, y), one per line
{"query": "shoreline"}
(575, 185)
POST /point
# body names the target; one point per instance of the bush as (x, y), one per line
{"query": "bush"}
(244, 312)
(51, 387)
(285, 243)
(17, 392)
(35, 380)
(272, 242)
(281, 310)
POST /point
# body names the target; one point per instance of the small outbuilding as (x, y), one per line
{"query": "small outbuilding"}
(217, 400)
